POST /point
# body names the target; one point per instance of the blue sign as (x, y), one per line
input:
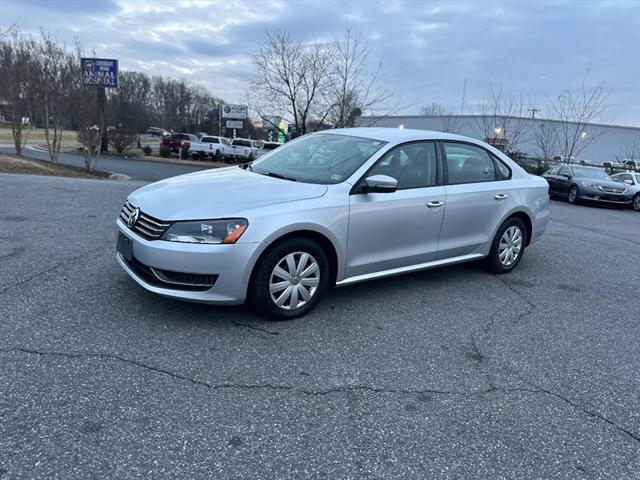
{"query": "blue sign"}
(99, 72)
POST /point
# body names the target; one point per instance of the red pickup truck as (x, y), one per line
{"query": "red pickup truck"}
(176, 141)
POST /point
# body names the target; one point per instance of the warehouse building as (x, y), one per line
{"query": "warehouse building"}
(531, 137)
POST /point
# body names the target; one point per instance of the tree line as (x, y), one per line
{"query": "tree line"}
(42, 86)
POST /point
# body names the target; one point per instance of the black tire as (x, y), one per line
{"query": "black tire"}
(635, 203)
(493, 262)
(218, 157)
(572, 195)
(259, 294)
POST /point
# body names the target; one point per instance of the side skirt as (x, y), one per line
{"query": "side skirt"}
(408, 269)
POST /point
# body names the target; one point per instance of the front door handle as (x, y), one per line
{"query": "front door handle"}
(501, 196)
(435, 204)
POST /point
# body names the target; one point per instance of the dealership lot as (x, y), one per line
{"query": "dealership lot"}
(449, 373)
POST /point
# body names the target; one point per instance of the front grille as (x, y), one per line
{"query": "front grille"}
(192, 282)
(146, 226)
(612, 189)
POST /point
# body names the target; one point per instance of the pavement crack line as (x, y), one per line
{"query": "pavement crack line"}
(257, 329)
(55, 266)
(536, 389)
(585, 410)
(482, 359)
(262, 386)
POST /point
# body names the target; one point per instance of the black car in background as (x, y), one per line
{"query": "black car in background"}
(577, 183)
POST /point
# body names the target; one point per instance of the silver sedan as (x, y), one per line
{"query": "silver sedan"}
(330, 209)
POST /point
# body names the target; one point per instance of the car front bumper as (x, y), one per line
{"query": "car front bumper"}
(228, 265)
(606, 198)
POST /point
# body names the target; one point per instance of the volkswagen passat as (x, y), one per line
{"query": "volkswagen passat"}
(330, 208)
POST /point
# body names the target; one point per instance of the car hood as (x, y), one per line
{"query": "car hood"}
(218, 193)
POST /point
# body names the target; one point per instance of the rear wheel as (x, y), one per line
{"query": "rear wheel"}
(508, 246)
(572, 196)
(636, 202)
(290, 279)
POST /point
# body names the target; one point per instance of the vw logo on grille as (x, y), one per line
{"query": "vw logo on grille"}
(133, 218)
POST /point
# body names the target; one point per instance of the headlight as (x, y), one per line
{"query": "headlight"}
(207, 231)
(587, 184)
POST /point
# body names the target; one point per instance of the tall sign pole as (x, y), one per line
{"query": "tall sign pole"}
(101, 73)
(102, 117)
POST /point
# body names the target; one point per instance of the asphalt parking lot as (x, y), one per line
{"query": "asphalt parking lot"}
(448, 373)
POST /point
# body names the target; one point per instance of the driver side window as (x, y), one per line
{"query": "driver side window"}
(413, 165)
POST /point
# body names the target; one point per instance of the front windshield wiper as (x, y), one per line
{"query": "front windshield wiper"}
(277, 175)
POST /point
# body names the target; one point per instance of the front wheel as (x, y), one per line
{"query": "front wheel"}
(572, 196)
(290, 279)
(636, 202)
(507, 247)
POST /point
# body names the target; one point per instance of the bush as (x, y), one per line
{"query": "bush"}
(147, 150)
(121, 138)
(165, 151)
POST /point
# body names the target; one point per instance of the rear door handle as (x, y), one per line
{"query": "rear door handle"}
(435, 204)
(501, 196)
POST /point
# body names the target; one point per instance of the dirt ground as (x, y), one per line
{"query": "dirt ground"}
(14, 164)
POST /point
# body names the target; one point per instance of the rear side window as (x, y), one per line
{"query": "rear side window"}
(471, 164)
(210, 140)
(242, 143)
(413, 165)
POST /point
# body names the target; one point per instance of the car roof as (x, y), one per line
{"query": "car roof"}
(398, 134)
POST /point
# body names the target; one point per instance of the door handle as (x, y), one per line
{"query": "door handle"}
(501, 196)
(435, 204)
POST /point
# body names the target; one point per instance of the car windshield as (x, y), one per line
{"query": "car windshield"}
(582, 172)
(319, 158)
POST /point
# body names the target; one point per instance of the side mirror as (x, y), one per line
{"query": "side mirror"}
(380, 184)
(628, 182)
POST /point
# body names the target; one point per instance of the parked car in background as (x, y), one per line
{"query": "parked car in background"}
(242, 149)
(577, 183)
(176, 141)
(211, 146)
(268, 147)
(158, 132)
(330, 209)
(632, 182)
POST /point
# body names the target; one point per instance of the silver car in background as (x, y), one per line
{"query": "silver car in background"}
(330, 208)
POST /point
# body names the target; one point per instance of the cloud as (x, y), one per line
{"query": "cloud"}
(535, 49)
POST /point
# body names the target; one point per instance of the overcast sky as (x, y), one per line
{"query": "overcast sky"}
(532, 48)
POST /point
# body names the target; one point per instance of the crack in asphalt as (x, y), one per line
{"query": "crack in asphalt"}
(257, 329)
(258, 386)
(585, 410)
(482, 359)
(53, 267)
(536, 389)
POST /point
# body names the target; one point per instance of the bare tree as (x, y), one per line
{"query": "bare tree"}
(434, 109)
(54, 78)
(630, 152)
(290, 79)
(575, 111)
(17, 78)
(500, 120)
(450, 123)
(546, 140)
(355, 82)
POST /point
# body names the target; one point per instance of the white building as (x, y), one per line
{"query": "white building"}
(597, 143)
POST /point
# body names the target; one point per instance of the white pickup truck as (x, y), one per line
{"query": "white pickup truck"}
(242, 149)
(217, 148)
